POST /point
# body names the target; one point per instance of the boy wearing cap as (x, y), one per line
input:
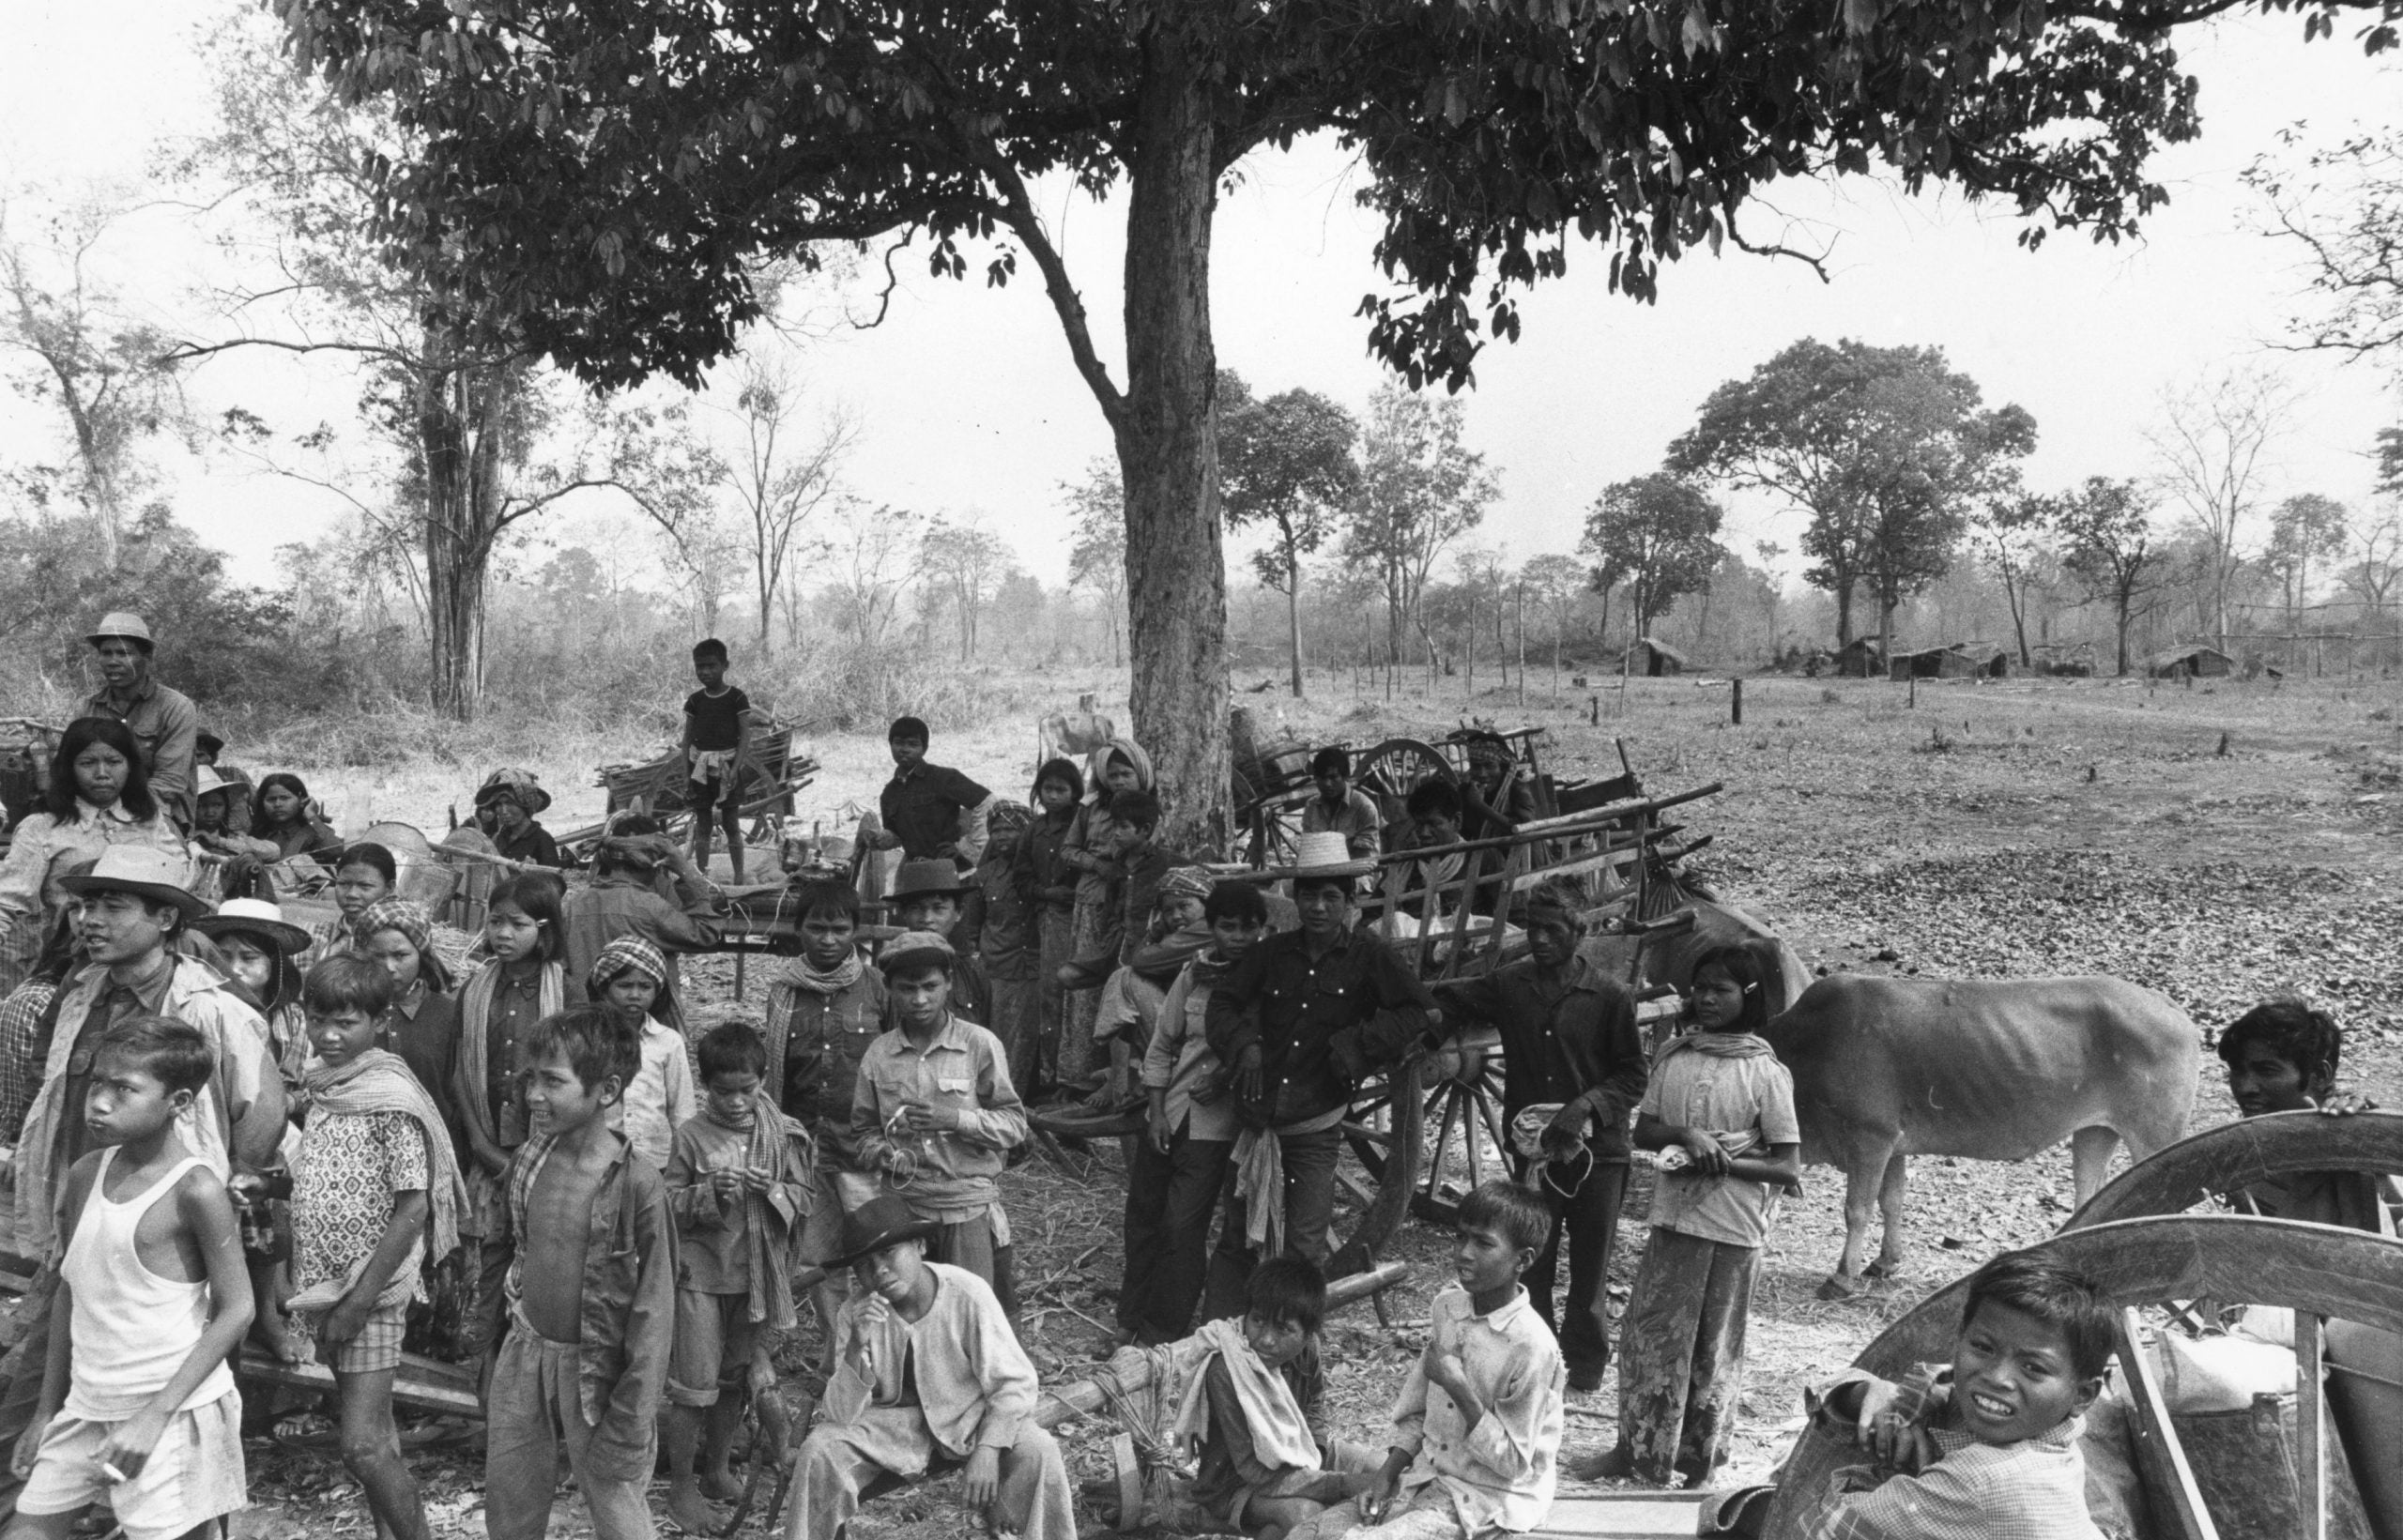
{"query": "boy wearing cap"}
(163, 721)
(930, 896)
(934, 1111)
(930, 1377)
(1573, 1069)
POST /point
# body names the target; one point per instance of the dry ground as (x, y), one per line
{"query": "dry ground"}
(2219, 843)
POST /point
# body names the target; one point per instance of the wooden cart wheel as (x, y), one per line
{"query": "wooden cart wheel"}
(1390, 771)
(1469, 1144)
(1391, 1156)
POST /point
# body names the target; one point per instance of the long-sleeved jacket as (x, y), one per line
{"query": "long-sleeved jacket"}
(1569, 1037)
(975, 1385)
(1320, 1023)
(628, 1318)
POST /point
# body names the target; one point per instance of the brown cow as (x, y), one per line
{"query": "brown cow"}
(1991, 1069)
(1670, 956)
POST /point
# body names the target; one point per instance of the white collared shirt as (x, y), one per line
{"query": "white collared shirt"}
(1499, 1472)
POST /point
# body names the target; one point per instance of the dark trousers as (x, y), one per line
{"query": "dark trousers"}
(1590, 1219)
(1309, 1211)
(1170, 1199)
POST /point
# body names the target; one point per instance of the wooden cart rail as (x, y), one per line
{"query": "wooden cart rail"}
(2238, 1154)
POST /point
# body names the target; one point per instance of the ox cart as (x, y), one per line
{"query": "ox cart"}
(663, 787)
(1272, 787)
(1426, 1131)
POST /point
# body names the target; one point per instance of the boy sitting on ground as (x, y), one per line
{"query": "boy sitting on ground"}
(1254, 1405)
(582, 1252)
(138, 1407)
(1477, 1429)
(928, 1377)
(739, 1183)
(1986, 1450)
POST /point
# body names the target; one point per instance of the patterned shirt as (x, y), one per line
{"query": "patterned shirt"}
(20, 1052)
(2034, 1489)
(1747, 1102)
(1498, 1471)
(343, 1185)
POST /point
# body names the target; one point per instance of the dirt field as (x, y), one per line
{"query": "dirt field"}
(2220, 843)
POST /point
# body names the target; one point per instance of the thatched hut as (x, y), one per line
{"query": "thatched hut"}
(1653, 658)
(2193, 661)
(1861, 659)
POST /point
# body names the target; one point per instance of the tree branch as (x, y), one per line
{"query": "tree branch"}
(1019, 212)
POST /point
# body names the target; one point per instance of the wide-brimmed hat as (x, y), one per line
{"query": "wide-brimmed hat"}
(918, 877)
(915, 945)
(1327, 854)
(123, 623)
(257, 917)
(881, 1221)
(147, 873)
(206, 780)
(514, 785)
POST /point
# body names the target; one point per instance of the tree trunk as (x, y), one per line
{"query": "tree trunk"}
(1168, 448)
(2017, 595)
(767, 604)
(1294, 616)
(462, 495)
(2123, 636)
(1843, 613)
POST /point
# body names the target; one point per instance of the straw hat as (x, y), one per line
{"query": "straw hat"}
(152, 875)
(1323, 855)
(257, 917)
(206, 780)
(123, 623)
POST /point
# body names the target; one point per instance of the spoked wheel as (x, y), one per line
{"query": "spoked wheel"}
(1390, 771)
(1385, 1123)
(1469, 1145)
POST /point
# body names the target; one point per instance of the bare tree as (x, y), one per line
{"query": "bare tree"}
(778, 474)
(872, 548)
(966, 562)
(1097, 556)
(2213, 442)
(1422, 490)
(99, 367)
(2009, 532)
(1555, 580)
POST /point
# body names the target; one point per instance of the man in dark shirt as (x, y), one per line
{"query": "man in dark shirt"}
(1300, 1020)
(1569, 1041)
(929, 812)
(163, 721)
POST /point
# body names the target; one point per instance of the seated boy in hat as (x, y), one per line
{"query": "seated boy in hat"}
(928, 1377)
(929, 896)
(934, 1111)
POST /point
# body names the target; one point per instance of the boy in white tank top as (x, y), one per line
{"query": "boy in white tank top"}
(137, 1404)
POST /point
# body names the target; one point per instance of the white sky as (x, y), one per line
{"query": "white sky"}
(970, 400)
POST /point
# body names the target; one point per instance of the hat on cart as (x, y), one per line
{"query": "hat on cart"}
(882, 1221)
(255, 916)
(1325, 854)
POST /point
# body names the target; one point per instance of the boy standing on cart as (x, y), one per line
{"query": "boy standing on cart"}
(717, 754)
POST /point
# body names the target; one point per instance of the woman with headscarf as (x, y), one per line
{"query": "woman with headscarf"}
(1119, 765)
(99, 797)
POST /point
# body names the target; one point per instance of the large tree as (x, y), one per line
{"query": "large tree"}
(1658, 535)
(1883, 449)
(2306, 528)
(604, 174)
(2011, 530)
(1285, 465)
